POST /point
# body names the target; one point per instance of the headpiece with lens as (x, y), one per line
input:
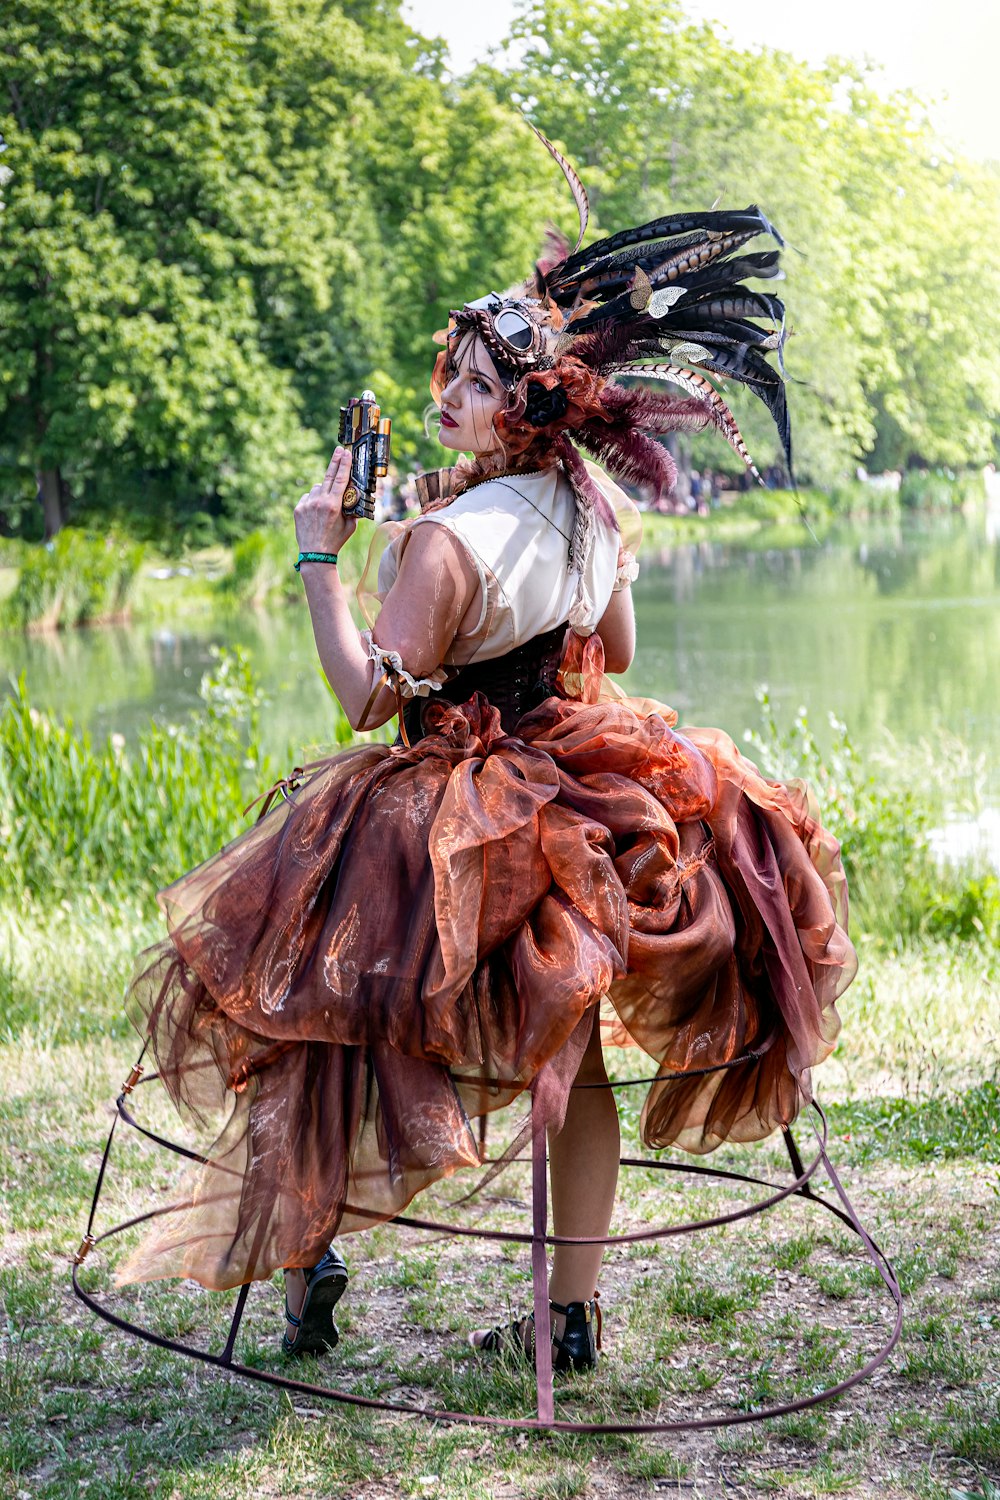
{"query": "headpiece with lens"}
(514, 340)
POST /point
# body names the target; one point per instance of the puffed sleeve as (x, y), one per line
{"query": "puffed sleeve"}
(390, 663)
(380, 569)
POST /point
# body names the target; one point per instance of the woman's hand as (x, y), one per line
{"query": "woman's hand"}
(320, 523)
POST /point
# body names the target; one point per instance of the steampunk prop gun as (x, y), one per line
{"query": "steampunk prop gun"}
(365, 431)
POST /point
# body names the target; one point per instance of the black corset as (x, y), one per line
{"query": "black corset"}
(513, 683)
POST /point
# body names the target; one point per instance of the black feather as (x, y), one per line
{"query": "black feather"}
(606, 291)
(669, 263)
(698, 328)
(749, 220)
(739, 304)
(717, 277)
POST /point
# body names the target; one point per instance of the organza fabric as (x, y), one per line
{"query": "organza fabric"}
(420, 933)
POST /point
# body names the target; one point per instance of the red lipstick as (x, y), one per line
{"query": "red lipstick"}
(447, 421)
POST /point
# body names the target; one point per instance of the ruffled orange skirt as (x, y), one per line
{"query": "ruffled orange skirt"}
(421, 933)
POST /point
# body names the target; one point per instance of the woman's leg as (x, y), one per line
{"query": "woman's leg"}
(583, 1166)
(295, 1291)
(583, 1170)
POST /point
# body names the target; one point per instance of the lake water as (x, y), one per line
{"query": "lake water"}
(892, 629)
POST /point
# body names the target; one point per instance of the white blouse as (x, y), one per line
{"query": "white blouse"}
(516, 533)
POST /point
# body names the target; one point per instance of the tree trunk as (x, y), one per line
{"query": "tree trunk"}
(50, 497)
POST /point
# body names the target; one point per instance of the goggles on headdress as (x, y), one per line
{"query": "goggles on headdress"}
(666, 300)
(514, 340)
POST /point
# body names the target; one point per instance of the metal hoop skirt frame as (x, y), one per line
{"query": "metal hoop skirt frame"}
(539, 1240)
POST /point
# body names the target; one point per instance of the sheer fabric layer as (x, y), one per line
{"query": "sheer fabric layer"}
(421, 932)
(514, 533)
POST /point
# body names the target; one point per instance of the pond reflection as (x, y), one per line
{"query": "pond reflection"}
(892, 628)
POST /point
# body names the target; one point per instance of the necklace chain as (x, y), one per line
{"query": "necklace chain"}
(489, 478)
(541, 512)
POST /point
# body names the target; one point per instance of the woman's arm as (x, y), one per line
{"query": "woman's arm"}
(419, 618)
(616, 628)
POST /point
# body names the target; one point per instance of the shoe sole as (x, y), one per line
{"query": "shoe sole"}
(317, 1331)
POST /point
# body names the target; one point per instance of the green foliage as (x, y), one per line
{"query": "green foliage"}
(659, 111)
(76, 580)
(113, 817)
(13, 551)
(899, 893)
(261, 570)
(966, 910)
(940, 489)
(202, 260)
(222, 220)
(940, 1128)
(133, 364)
(852, 497)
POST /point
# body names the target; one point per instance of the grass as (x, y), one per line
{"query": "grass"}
(764, 1311)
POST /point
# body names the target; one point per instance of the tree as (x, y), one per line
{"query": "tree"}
(893, 293)
(923, 282)
(224, 219)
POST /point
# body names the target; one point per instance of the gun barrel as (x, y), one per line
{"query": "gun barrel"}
(382, 445)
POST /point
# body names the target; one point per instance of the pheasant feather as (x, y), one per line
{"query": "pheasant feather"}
(697, 385)
(575, 185)
(667, 300)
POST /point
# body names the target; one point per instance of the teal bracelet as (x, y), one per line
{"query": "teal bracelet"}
(327, 557)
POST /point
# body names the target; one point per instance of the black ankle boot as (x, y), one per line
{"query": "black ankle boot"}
(581, 1337)
(576, 1350)
(315, 1330)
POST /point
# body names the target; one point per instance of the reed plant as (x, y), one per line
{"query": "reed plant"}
(76, 580)
(941, 489)
(782, 505)
(938, 490)
(116, 818)
(76, 814)
(855, 497)
(261, 571)
(900, 892)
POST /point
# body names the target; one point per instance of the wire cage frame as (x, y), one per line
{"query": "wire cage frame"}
(540, 1240)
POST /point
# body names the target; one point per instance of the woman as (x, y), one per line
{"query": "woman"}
(425, 930)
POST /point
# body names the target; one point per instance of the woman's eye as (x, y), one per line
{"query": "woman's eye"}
(483, 388)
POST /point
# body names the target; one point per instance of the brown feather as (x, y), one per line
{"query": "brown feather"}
(576, 186)
(697, 385)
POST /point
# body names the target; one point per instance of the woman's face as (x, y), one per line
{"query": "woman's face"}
(471, 399)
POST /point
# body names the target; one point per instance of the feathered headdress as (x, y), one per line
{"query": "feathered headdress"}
(665, 301)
